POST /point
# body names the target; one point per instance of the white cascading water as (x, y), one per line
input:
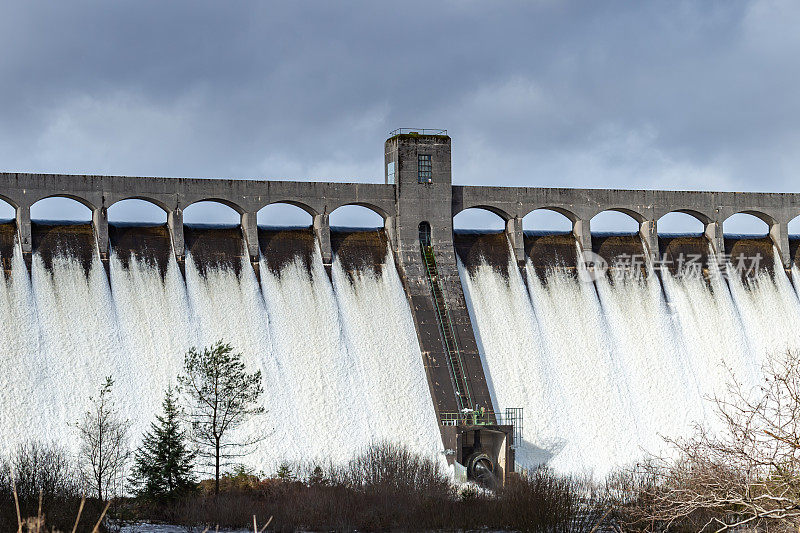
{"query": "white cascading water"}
(603, 370)
(27, 375)
(340, 361)
(155, 326)
(649, 347)
(577, 340)
(711, 329)
(381, 340)
(80, 341)
(770, 312)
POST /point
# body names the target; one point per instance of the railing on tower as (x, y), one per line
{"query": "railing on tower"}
(416, 131)
(446, 329)
(470, 417)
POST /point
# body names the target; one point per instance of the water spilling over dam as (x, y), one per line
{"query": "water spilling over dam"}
(390, 334)
(321, 343)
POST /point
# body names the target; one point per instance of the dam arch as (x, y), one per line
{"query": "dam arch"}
(793, 226)
(681, 222)
(612, 221)
(45, 207)
(347, 218)
(8, 211)
(221, 210)
(747, 223)
(615, 221)
(547, 219)
(285, 215)
(610, 217)
(480, 218)
(357, 215)
(500, 212)
(154, 213)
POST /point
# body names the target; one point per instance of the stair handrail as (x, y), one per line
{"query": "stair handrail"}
(432, 269)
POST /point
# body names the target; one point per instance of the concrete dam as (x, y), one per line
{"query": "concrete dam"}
(578, 349)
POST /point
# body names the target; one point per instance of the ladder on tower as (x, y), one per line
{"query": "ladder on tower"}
(446, 330)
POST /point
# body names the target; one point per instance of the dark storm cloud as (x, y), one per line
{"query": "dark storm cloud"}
(624, 94)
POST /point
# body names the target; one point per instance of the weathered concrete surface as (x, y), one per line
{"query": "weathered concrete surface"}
(174, 195)
(427, 202)
(646, 207)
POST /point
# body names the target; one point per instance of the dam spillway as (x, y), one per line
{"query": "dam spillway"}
(341, 323)
(321, 343)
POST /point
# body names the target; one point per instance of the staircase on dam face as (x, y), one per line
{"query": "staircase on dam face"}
(449, 341)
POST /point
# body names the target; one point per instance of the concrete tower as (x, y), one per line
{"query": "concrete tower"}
(418, 163)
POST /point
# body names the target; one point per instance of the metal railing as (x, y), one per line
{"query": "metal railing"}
(469, 418)
(417, 131)
(449, 342)
(513, 416)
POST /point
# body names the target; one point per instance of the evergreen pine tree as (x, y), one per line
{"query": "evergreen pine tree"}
(163, 463)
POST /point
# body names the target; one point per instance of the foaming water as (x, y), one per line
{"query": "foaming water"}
(80, 342)
(546, 349)
(598, 388)
(652, 353)
(340, 361)
(605, 369)
(313, 406)
(515, 361)
(770, 312)
(23, 399)
(716, 344)
(156, 329)
(381, 341)
(602, 368)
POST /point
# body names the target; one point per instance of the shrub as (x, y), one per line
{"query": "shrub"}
(43, 468)
(388, 487)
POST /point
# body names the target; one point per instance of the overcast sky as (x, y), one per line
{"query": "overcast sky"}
(672, 94)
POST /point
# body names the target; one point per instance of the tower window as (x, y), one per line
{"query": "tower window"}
(424, 169)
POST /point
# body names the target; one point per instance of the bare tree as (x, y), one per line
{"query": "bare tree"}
(104, 447)
(38, 467)
(746, 475)
(222, 397)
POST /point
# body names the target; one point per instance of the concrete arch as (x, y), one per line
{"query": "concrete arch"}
(158, 203)
(233, 205)
(484, 220)
(571, 215)
(305, 207)
(769, 220)
(383, 213)
(680, 222)
(285, 210)
(766, 219)
(486, 207)
(14, 205)
(793, 226)
(635, 215)
(548, 216)
(12, 209)
(137, 210)
(68, 211)
(216, 204)
(601, 226)
(371, 208)
(80, 199)
(702, 217)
